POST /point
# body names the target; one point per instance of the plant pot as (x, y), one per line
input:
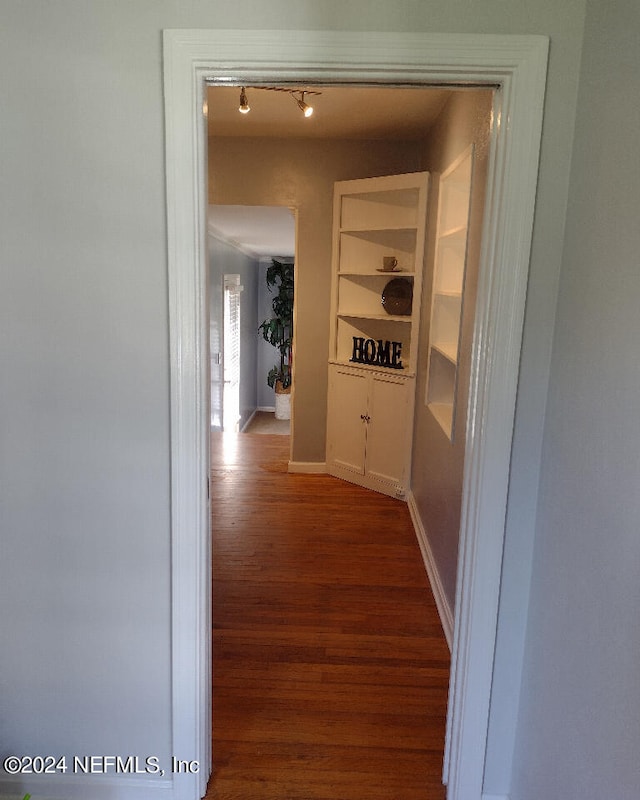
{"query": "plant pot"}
(283, 402)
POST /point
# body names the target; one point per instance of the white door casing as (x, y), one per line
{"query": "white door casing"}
(516, 65)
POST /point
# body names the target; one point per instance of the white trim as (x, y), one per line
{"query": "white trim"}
(503, 272)
(185, 135)
(517, 65)
(308, 467)
(495, 796)
(369, 481)
(445, 612)
(271, 409)
(249, 421)
(282, 259)
(217, 234)
(97, 787)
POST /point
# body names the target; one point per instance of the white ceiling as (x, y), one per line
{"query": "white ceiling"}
(257, 230)
(400, 114)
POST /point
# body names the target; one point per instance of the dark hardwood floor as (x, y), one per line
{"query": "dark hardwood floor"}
(330, 665)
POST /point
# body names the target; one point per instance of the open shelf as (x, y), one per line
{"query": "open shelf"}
(448, 288)
(361, 295)
(362, 251)
(448, 349)
(442, 388)
(375, 218)
(378, 317)
(376, 273)
(443, 412)
(377, 328)
(395, 208)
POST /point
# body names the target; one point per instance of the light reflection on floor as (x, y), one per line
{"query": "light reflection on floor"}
(229, 448)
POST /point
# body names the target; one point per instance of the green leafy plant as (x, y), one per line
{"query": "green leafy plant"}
(278, 329)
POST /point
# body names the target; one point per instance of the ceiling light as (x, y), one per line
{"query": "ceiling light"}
(244, 107)
(307, 110)
(297, 94)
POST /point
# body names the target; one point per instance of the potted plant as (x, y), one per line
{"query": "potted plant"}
(278, 331)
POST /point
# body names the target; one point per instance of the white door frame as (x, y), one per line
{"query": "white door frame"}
(515, 64)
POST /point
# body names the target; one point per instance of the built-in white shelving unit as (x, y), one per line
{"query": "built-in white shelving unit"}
(370, 404)
(454, 198)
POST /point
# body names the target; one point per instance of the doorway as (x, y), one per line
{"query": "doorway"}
(440, 122)
(242, 242)
(190, 59)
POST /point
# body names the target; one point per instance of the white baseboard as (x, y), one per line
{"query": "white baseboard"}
(389, 487)
(271, 409)
(444, 610)
(249, 421)
(495, 796)
(308, 467)
(96, 787)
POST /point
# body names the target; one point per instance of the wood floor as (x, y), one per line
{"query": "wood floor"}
(330, 665)
(266, 422)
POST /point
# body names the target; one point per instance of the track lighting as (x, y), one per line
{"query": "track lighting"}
(307, 110)
(244, 107)
(297, 94)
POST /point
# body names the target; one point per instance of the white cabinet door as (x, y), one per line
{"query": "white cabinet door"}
(347, 426)
(389, 418)
(369, 422)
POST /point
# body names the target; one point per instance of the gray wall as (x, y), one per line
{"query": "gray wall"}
(84, 431)
(224, 258)
(579, 728)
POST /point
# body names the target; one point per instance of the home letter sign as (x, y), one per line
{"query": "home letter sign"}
(379, 353)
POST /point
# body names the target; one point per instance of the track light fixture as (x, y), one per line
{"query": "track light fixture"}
(297, 94)
(244, 107)
(307, 110)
